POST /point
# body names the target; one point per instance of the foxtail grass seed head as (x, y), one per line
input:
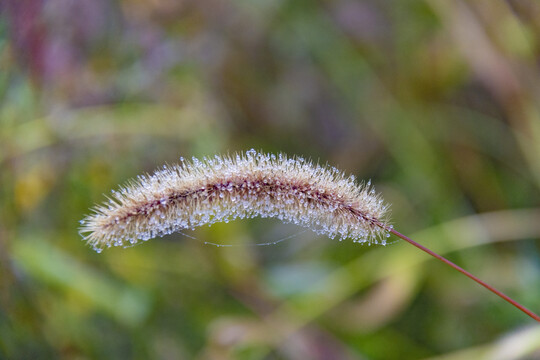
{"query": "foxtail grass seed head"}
(248, 185)
(245, 185)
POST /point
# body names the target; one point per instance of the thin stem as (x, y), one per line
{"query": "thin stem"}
(468, 274)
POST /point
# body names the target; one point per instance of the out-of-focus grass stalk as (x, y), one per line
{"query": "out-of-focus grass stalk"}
(489, 57)
(521, 344)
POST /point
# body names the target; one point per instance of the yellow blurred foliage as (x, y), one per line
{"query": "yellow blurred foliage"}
(32, 186)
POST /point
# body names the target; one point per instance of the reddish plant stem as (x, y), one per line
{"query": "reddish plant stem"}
(468, 274)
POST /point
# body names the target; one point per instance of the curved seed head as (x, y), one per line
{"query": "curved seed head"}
(245, 185)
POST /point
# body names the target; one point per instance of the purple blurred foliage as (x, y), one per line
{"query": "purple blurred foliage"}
(361, 20)
(27, 32)
(88, 52)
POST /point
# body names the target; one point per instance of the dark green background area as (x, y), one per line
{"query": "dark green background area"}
(437, 102)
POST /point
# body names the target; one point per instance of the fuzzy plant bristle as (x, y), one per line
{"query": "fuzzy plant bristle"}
(245, 185)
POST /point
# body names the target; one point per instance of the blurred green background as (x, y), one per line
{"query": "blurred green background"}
(438, 102)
